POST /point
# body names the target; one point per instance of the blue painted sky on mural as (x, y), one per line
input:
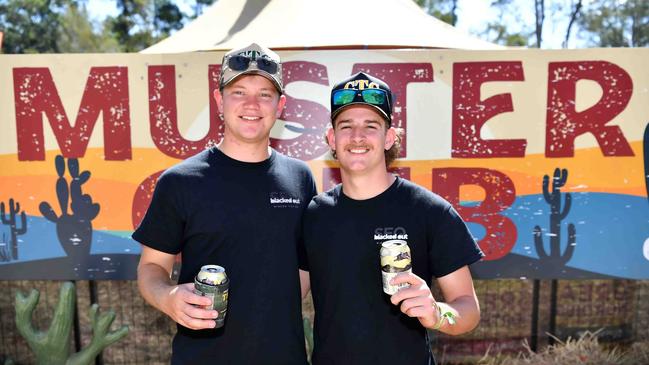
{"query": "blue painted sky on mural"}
(41, 242)
(611, 231)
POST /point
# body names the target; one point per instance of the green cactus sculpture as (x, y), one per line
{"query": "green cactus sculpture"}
(52, 346)
(10, 220)
(308, 337)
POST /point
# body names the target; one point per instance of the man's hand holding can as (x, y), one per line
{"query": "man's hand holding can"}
(212, 282)
(189, 309)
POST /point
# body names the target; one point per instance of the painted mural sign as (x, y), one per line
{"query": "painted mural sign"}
(544, 153)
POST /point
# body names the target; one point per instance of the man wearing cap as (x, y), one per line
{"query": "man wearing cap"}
(344, 229)
(237, 205)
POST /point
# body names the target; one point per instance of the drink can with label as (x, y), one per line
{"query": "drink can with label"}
(395, 259)
(212, 282)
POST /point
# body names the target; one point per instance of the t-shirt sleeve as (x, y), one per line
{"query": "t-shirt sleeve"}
(163, 224)
(311, 188)
(451, 246)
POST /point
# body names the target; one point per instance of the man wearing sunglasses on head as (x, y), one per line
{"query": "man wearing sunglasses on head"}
(344, 229)
(237, 205)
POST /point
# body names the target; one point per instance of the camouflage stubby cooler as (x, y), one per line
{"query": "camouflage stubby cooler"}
(212, 282)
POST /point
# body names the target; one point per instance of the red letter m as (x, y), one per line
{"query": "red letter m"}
(106, 91)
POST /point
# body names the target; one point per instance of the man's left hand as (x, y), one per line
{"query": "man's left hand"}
(417, 300)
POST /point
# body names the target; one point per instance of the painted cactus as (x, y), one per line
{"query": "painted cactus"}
(74, 231)
(53, 346)
(10, 220)
(5, 255)
(557, 214)
(645, 151)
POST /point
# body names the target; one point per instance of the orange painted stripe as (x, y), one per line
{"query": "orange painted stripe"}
(114, 198)
(113, 183)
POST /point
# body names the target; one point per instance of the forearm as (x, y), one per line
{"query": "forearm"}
(465, 312)
(154, 283)
(305, 283)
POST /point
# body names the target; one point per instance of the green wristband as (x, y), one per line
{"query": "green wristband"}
(447, 316)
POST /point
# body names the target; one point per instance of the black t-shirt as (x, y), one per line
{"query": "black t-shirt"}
(355, 323)
(245, 217)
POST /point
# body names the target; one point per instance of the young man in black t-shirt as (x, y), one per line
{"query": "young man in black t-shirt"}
(343, 229)
(238, 205)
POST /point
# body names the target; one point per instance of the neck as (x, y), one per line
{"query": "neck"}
(366, 186)
(245, 152)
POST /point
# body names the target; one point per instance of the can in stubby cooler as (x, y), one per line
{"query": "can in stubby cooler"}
(212, 282)
(395, 259)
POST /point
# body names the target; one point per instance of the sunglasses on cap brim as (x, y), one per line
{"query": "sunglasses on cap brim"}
(242, 63)
(370, 96)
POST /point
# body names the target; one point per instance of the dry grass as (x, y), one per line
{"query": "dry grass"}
(586, 350)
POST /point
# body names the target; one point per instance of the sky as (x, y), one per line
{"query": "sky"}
(473, 16)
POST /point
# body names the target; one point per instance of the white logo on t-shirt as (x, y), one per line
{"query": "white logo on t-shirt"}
(390, 233)
(283, 200)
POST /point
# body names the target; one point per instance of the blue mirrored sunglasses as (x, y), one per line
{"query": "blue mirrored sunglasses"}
(370, 96)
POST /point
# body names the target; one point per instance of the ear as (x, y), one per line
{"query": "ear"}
(331, 138)
(219, 100)
(390, 138)
(280, 106)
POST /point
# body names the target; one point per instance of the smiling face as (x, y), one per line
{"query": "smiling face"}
(360, 138)
(250, 106)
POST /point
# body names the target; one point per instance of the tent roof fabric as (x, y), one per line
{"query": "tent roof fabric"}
(309, 24)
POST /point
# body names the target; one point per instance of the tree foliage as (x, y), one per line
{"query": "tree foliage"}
(132, 26)
(616, 23)
(532, 23)
(142, 23)
(444, 10)
(52, 26)
(31, 26)
(199, 6)
(499, 31)
(79, 35)
(167, 17)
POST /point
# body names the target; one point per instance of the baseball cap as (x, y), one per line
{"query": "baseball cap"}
(362, 89)
(253, 59)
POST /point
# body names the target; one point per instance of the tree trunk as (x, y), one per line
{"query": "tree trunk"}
(539, 12)
(454, 13)
(573, 17)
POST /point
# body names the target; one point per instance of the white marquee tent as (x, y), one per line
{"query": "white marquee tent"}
(316, 24)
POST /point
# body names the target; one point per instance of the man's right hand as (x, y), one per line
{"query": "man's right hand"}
(186, 308)
(177, 301)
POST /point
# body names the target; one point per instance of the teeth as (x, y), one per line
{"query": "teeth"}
(250, 118)
(358, 150)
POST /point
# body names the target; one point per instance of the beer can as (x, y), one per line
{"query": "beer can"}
(395, 259)
(212, 282)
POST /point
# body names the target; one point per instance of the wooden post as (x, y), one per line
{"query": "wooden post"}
(553, 310)
(534, 336)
